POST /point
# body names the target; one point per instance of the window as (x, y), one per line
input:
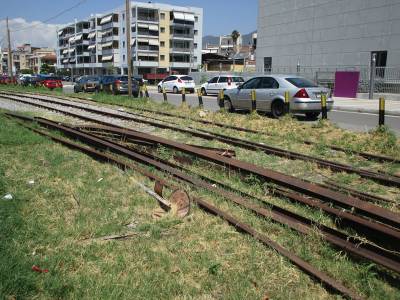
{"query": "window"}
(223, 80)
(195, 45)
(123, 30)
(162, 57)
(252, 83)
(380, 63)
(123, 44)
(213, 80)
(123, 16)
(162, 16)
(123, 57)
(194, 58)
(196, 18)
(196, 32)
(268, 83)
(162, 29)
(267, 64)
(162, 44)
(301, 82)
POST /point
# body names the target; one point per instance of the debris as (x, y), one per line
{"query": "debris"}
(132, 225)
(121, 109)
(39, 270)
(8, 197)
(31, 182)
(160, 199)
(202, 114)
(100, 179)
(118, 237)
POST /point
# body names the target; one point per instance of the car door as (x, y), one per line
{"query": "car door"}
(266, 92)
(243, 94)
(165, 83)
(222, 82)
(171, 83)
(212, 86)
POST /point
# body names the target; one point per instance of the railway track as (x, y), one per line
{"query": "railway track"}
(380, 177)
(329, 282)
(366, 155)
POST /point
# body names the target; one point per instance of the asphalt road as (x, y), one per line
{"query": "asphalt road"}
(355, 121)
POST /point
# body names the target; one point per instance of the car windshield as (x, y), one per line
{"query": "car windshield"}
(301, 82)
(92, 79)
(186, 78)
(237, 79)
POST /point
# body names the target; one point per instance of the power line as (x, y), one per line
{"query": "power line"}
(51, 18)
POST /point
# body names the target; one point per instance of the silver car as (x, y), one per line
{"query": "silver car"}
(304, 95)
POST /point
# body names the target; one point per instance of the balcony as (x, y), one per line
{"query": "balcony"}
(109, 25)
(109, 38)
(179, 50)
(180, 36)
(147, 48)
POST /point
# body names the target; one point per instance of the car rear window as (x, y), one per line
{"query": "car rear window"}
(186, 78)
(237, 79)
(301, 82)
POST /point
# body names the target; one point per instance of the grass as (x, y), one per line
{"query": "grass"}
(55, 222)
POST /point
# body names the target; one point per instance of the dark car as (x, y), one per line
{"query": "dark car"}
(30, 81)
(118, 84)
(87, 84)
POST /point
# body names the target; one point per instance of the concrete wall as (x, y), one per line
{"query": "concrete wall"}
(327, 32)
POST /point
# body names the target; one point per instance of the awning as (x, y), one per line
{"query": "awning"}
(65, 51)
(154, 43)
(60, 32)
(106, 45)
(179, 16)
(153, 27)
(107, 58)
(71, 40)
(105, 32)
(91, 35)
(78, 37)
(146, 41)
(148, 54)
(65, 61)
(133, 42)
(106, 20)
(189, 17)
(71, 50)
(91, 47)
(139, 25)
(72, 60)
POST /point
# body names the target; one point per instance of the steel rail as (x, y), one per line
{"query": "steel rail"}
(323, 278)
(304, 187)
(366, 155)
(334, 166)
(290, 182)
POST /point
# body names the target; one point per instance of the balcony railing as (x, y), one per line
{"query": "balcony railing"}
(148, 48)
(182, 35)
(180, 49)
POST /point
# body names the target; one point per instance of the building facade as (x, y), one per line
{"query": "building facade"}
(164, 39)
(328, 33)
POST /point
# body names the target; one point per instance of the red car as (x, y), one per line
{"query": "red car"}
(52, 83)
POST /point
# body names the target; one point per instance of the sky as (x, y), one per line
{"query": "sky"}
(220, 16)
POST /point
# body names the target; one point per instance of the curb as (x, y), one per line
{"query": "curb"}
(362, 110)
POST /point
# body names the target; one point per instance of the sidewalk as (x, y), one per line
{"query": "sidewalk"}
(392, 107)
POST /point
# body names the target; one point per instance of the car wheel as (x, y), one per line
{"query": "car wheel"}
(159, 89)
(277, 109)
(228, 105)
(176, 90)
(312, 115)
(203, 92)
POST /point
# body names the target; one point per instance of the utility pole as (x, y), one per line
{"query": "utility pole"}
(10, 68)
(128, 45)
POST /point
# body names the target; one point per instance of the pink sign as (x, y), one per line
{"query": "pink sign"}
(346, 84)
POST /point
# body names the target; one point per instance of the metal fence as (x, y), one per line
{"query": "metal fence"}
(387, 80)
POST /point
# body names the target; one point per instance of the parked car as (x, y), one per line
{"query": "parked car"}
(66, 78)
(176, 83)
(50, 82)
(86, 84)
(5, 79)
(305, 96)
(218, 83)
(30, 81)
(118, 84)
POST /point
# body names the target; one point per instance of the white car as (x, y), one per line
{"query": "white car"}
(176, 83)
(218, 83)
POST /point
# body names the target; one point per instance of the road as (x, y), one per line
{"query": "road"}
(355, 121)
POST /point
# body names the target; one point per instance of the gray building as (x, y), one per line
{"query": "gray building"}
(328, 33)
(164, 38)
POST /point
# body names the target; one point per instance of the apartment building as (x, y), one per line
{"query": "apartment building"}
(328, 33)
(164, 39)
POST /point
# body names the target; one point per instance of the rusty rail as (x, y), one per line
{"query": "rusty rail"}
(324, 279)
(334, 166)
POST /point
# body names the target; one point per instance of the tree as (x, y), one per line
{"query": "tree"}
(235, 36)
